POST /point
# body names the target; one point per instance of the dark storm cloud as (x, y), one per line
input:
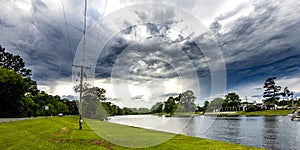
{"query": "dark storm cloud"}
(262, 44)
(39, 36)
(138, 97)
(69, 97)
(169, 95)
(256, 96)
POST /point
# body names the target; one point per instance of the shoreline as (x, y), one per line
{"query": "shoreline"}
(63, 133)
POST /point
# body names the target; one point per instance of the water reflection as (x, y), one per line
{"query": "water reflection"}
(270, 133)
(277, 132)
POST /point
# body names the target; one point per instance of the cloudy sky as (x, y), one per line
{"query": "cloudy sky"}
(143, 52)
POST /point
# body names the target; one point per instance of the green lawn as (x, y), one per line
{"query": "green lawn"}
(265, 113)
(62, 133)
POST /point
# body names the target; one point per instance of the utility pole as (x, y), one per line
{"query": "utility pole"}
(292, 100)
(80, 91)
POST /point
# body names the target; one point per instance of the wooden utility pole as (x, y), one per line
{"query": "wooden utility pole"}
(292, 100)
(80, 90)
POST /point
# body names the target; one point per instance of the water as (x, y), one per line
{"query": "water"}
(277, 132)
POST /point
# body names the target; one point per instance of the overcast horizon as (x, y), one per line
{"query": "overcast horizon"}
(257, 40)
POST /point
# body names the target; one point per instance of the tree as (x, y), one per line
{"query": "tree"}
(14, 62)
(170, 106)
(203, 109)
(91, 105)
(286, 93)
(157, 107)
(272, 92)
(12, 90)
(186, 99)
(72, 106)
(233, 99)
(216, 103)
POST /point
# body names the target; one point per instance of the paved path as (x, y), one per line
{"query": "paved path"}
(11, 119)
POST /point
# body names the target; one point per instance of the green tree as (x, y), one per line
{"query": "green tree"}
(72, 106)
(272, 92)
(216, 103)
(170, 106)
(91, 101)
(16, 63)
(62, 108)
(186, 99)
(203, 109)
(30, 107)
(233, 99)
(157, 107)
(12, 90)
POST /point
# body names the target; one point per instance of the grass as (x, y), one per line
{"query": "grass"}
(62, 133)
(264, 113)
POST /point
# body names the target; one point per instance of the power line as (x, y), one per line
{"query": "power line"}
(84, 29)
(100, 23)
(66, 25)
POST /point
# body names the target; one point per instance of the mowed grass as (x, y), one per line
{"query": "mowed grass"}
(265, 113)
(63, 133)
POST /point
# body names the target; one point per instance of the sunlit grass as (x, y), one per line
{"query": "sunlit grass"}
(265, 113)
(63, 133)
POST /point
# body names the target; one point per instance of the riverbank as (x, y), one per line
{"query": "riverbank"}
(257, 113)
(62, 133)
(265, 113)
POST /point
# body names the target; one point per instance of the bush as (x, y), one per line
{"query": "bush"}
(253, 108)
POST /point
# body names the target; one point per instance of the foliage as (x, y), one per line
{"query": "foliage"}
(264, 113)
(232, 99)
(11, 93)
(184, 102)
(252, 108)
(203, 109)
(170, 106)
(186, 99)
(14, 62)
(157, 107)
(216, 103)
(55, 103)
(272, 92)
(91, 106)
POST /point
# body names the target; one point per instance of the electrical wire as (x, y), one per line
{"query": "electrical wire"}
(84, 30)
(66, 25)
(100, 24)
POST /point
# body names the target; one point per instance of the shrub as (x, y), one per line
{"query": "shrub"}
(253, 108)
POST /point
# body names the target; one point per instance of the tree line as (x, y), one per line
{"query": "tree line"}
(184, 102)
(19, 95)
(273, 94)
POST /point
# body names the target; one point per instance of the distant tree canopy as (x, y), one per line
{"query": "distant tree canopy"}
(184, 102)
